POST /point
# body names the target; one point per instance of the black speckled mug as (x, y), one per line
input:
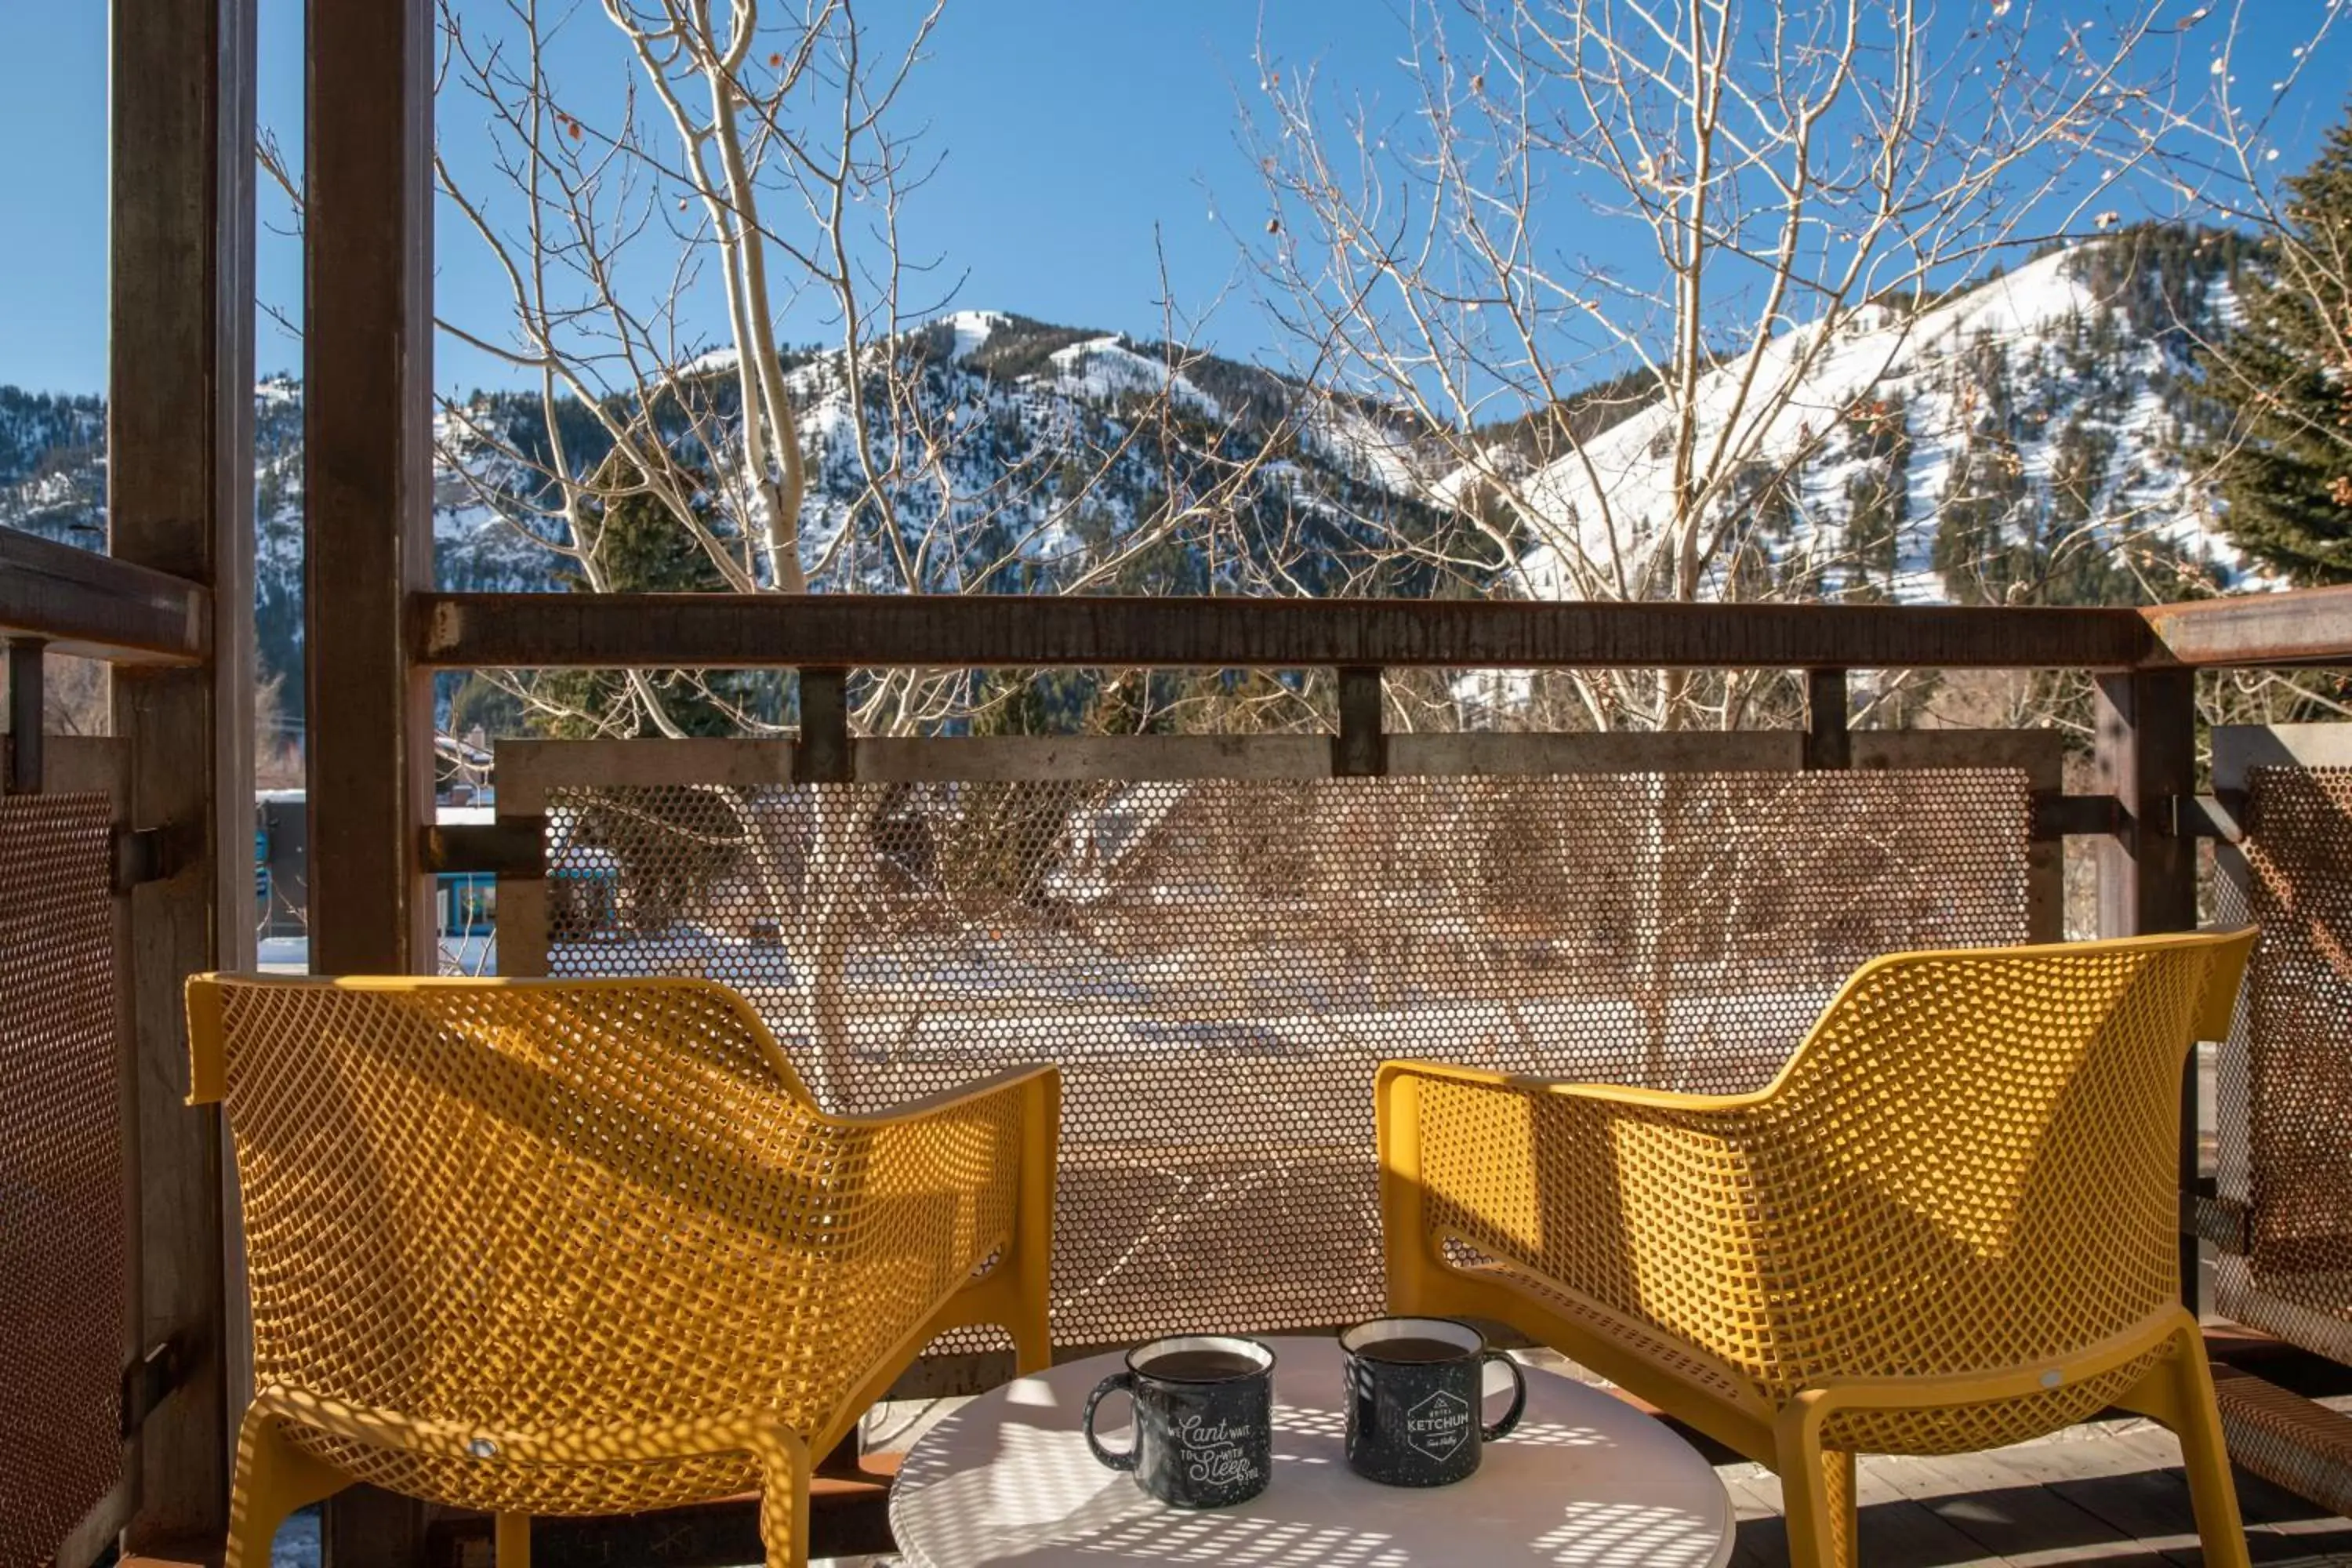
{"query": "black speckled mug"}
(1415, 1389)
(1203, 1419)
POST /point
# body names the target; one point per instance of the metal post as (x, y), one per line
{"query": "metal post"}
(1360, 749)
(367, 464)
(823, 755)
(1828, 743)
(2145, 756)
(25, 720)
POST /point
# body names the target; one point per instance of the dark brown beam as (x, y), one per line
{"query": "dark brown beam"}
(457, 631)
(2145, 755)
(98, 606)
(367, 357)
(2062, 815)
(2309, 627)
(180, 528)
(515, 846)
(824, 753)
(367, 468)
(2221, 815)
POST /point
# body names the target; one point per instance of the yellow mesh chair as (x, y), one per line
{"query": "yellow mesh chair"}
(1950, 1224)
(578, 1247)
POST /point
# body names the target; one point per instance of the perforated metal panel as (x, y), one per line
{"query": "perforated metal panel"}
(1218, 965)
(62, 1220)
(2286, 1088)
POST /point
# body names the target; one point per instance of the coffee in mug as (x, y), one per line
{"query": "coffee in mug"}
(1203, 1419)
(1414, 1390)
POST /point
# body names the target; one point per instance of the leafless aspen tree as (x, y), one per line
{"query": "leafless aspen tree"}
(752, 171)
(755, 165)
(1710, 211)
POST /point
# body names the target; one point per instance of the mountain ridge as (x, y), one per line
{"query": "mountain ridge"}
(2030, 438)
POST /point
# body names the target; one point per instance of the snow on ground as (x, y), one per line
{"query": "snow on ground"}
(472, 952)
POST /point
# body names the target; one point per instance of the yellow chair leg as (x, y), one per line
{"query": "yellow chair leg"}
(2178, 1391)
(1033, 1340)
(510, 1544)
(1817, 1495)
(784, 1499)
(274, 1477)
(2206, 1458)
(1011, 1301)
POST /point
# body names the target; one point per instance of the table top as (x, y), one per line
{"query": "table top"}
(1585, 1479)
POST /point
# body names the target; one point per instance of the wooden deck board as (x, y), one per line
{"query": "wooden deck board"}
(2106, 1495)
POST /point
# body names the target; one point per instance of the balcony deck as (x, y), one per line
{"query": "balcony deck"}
(2106, 1493)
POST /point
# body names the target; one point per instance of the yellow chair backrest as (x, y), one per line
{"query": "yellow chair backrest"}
(1980, 1154)
(529, 1203)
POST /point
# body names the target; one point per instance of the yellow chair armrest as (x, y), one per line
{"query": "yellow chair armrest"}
(1025, 1104)
(995, 1085)
(1607, 1093)
(752, 1432)
(1647, 1203)
(953, 1180)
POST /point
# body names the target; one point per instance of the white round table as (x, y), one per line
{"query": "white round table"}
(1585, 1480)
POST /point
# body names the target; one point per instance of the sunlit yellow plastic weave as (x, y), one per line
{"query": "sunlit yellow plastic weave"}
(1949, 1223)
(570, 1247)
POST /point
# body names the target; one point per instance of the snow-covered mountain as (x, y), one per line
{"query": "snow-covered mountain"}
(2028, 438)
(1019, 455)
(1034, 453)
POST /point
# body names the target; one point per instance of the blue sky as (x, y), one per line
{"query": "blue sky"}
(1073, 130)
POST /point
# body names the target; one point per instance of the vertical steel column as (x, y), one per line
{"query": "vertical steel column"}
(1829, 741)
(367, 356)
(27, 687)
(2146, 757)
(1360, 749)
(823, 755)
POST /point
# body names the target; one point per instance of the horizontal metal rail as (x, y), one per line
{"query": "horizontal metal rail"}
(2311, 627)
(528, 768)
(96, 606)
(458, 631)
(532, 772)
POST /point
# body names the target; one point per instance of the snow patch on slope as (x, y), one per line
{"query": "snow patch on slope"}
(1101, 369)
(1620, 497)
(973, 329)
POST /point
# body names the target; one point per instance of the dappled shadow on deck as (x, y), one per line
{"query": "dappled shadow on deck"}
(2106, 1495)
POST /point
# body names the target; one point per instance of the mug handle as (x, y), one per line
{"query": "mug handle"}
(1510, 1417)
(1122, 1382)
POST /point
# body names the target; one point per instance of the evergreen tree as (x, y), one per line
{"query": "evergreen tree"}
(642, 549)
(2284, 380)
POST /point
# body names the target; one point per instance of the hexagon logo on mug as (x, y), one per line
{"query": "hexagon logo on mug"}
(1438, 1424)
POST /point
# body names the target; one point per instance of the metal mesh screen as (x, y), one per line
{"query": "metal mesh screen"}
(62, 1220)
(2286, 1077)
(1218, 966)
